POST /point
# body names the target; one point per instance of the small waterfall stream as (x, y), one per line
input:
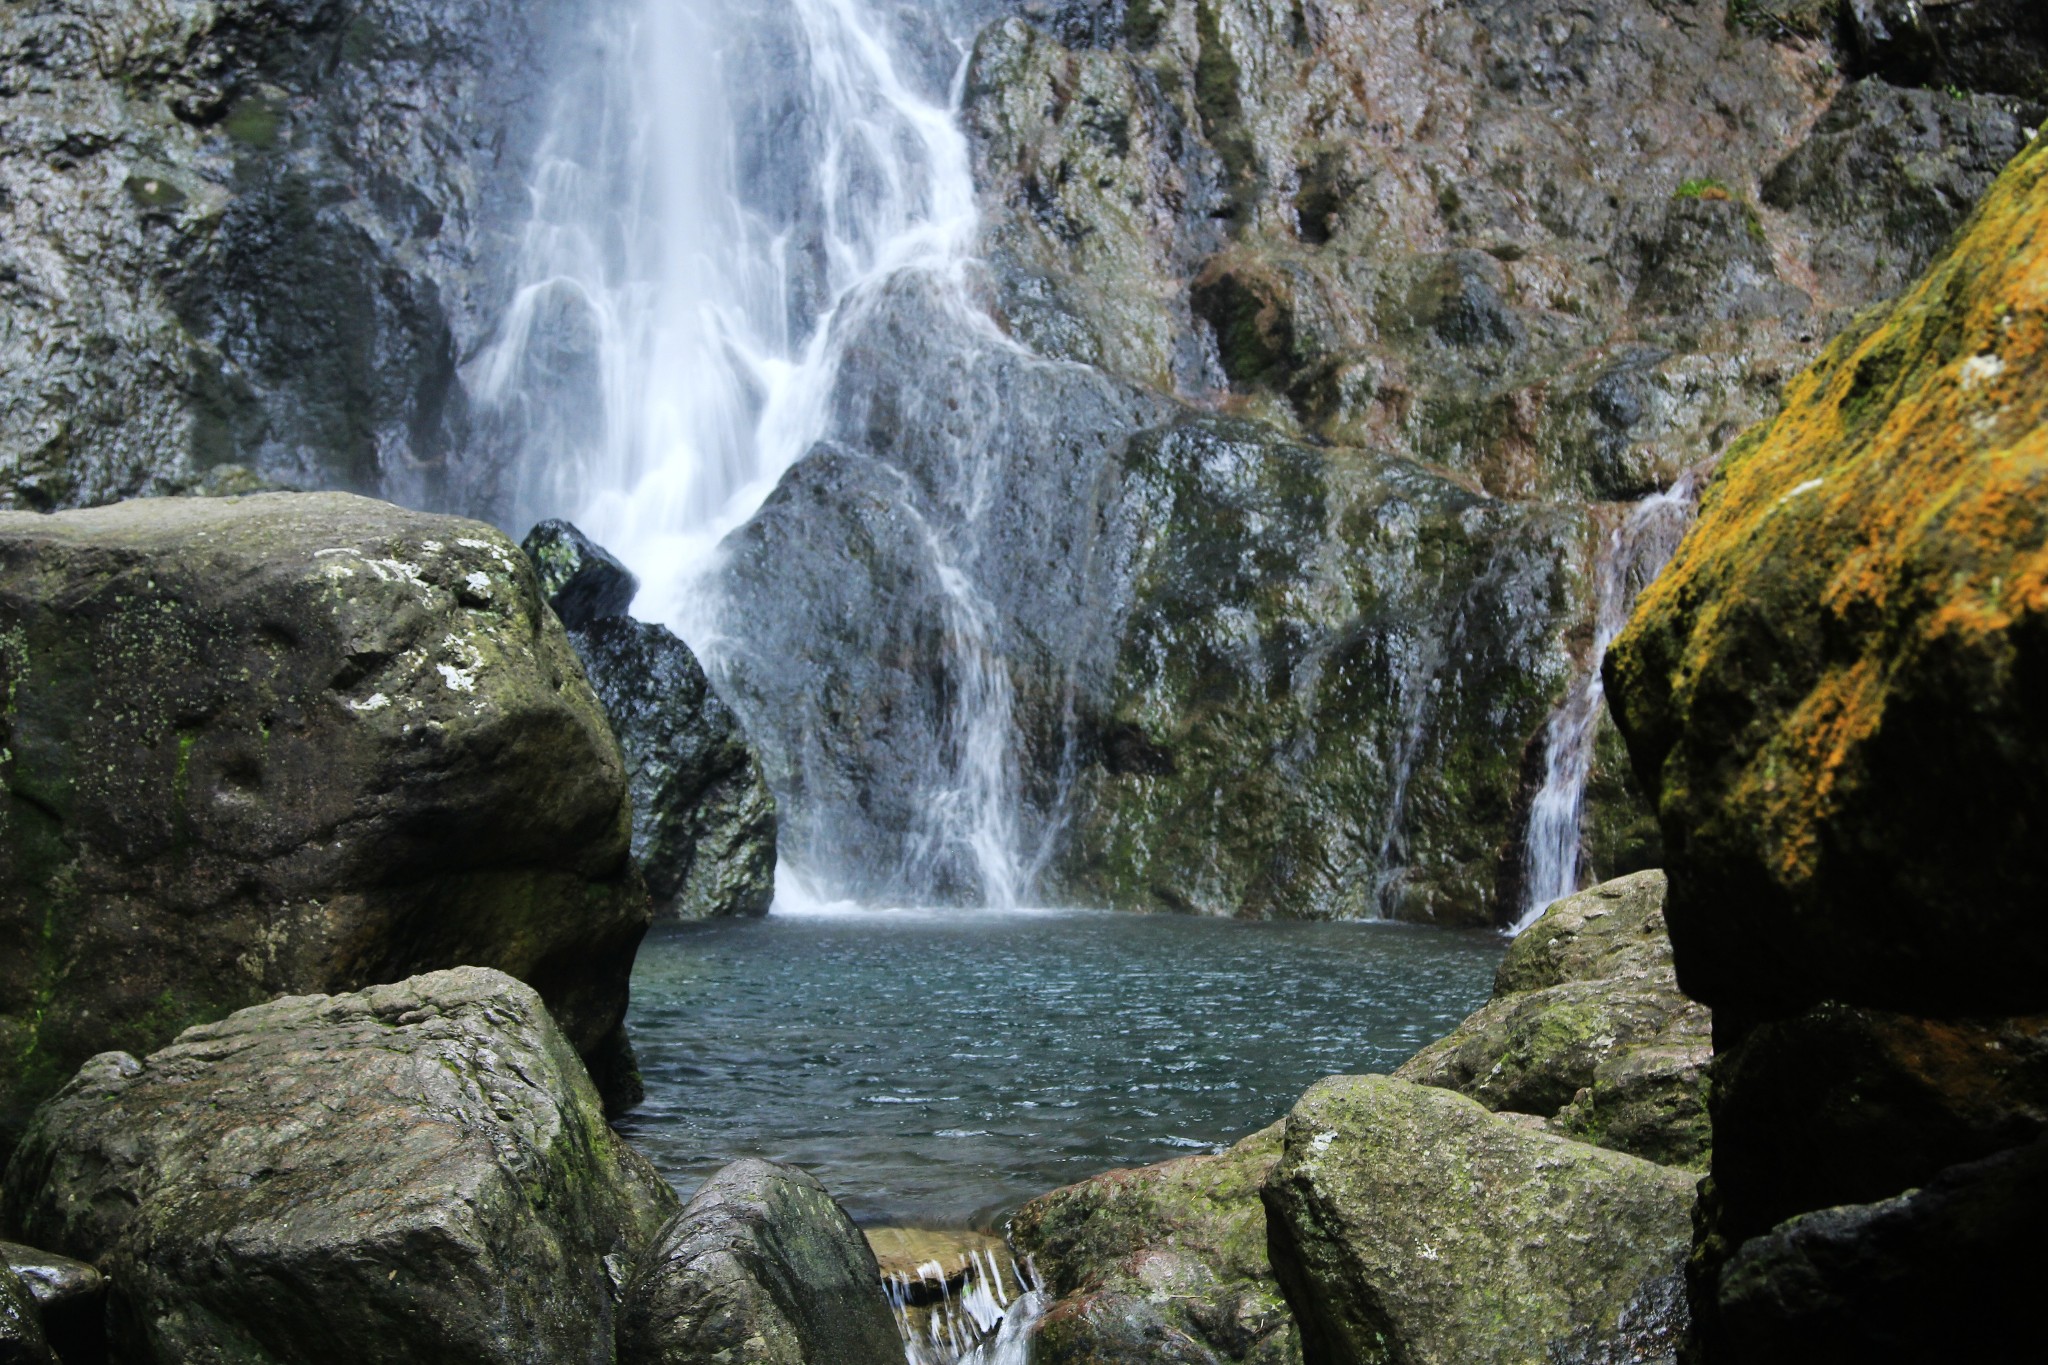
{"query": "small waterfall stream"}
(726, 184)
(1632, 552)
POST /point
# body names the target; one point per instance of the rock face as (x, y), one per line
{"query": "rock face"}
(703, 818)
(294, 742)
(1408, 1224)
(1833, 696)
(417, 1172)
(1831, 691)
(1167, 1263)
(1588, 1029)
(760, 1266)
(260, 231)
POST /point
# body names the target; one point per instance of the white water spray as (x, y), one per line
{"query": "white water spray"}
(1631, 554)
(726, 182)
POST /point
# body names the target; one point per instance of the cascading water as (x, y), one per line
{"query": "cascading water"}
(727, 183)
(1632, 553)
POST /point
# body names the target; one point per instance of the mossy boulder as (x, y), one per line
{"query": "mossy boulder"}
(416, 1172)
(1411, 1225)
(761, 1266)
(1167, 1262)
(1588, 1029)
(292, 742)
(1833, 692)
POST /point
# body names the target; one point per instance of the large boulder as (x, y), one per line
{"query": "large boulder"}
(416, 1172)
(1163, 1263)
(1833, 692)
(1409, 1224)
(761, 1266)
(704, 822)
(294, 742)
(1588, 1029)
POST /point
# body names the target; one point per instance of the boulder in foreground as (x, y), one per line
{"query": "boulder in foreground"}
(1588, 1029)
(1166, 1262)
(290, 743)
(1410, 1225)
(21, 1326)
(760, 1267)
(1833, 693)
(419, 1172)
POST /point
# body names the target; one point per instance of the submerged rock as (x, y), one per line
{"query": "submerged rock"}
(1588, 1029)
(1165, 1263)
(294, 742)
(417, 1172)
(760, 1266)
(1832, 694)
(1409, 1224)
(704, 825)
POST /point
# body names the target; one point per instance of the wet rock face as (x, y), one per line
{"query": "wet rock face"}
(1588, 1029)
(260, 232)
(418, 1172)
(294, 742)
(704, 824)
(1164, 1263)
(70, 1298)
(760, 1266)
(1328, 663)
(1831, 691)
(1385, 1253)
(21, 1329)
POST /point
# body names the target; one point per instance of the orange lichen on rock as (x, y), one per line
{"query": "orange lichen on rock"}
(1838, 691)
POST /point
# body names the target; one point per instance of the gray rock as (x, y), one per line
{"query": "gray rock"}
(760, 1266)
(71, 1297)
(584, 582)
(21, 1328)
(1409, 1224)
(704, 824)
(416, 1172)
(294, 742)
(261, 232)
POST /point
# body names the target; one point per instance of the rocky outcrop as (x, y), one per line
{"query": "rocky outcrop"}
(295, 742)
(70, 1298)
(1166, 1263)
(1588, 1029)
(260, 231)
(1793, 689)
(1409, 1224)
(420, 1171)
(760, 1266)
(703, 818)
(1832, 696)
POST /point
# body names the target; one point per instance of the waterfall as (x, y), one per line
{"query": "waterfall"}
(726, 183)
(1632, 552)
(979, 1311)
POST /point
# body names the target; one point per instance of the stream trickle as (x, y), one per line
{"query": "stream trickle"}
(1632, 552)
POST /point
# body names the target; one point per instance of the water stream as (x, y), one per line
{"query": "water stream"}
(728, 183)
(1631, 553)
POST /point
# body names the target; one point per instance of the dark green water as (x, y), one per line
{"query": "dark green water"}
(942, 1067)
